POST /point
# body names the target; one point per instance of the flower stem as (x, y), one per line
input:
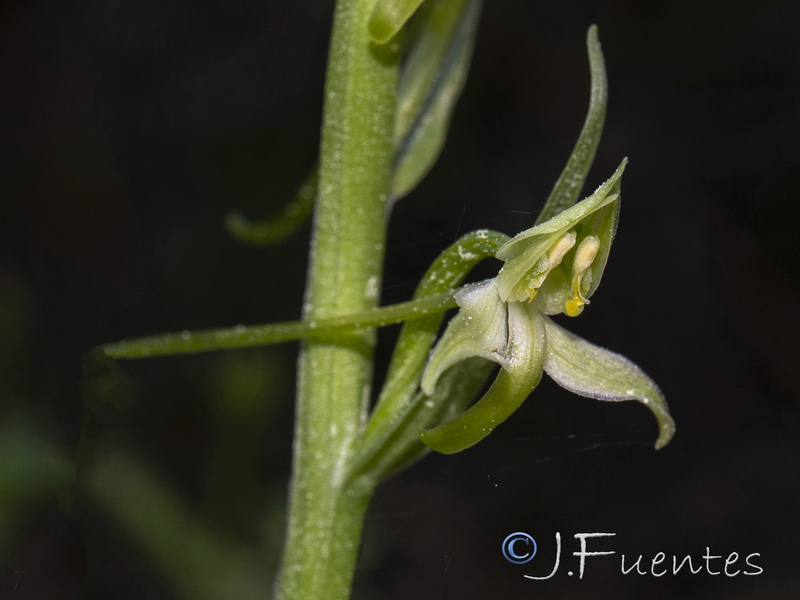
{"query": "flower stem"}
(326, 511)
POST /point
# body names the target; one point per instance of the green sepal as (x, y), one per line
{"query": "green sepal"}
(514, 383)
(588, 370)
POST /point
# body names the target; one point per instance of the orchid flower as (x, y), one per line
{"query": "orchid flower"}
(553, 267)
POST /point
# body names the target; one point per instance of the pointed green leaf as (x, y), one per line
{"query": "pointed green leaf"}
(431, 80)
(526, 349)
(388, 18)
(595, 372)
(567, 189)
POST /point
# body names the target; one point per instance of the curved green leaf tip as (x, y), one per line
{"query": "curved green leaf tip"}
(388, 18)
(281, 226)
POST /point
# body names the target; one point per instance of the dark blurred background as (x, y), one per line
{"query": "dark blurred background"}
(129, 129)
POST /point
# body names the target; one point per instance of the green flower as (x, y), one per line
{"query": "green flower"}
(564, 257)
(552, 268)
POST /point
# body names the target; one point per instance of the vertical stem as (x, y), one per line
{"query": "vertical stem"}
(326, 512)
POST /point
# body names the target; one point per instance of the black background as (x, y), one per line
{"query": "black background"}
(128, 129)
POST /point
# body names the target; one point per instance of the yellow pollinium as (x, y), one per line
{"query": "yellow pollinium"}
(585, 254)
(574, 307)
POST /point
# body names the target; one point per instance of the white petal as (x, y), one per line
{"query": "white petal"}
(479, 329)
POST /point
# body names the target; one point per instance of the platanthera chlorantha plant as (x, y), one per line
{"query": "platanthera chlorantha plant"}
(396, 68)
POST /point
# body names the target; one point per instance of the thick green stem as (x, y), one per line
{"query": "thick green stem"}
(326, 510)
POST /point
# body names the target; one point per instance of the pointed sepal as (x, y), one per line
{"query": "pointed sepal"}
(588, 370)
(525, 359)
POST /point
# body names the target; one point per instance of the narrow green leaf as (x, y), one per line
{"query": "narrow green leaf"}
(388, 18)
(594, 372)
(567, 189)
(431, 80)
